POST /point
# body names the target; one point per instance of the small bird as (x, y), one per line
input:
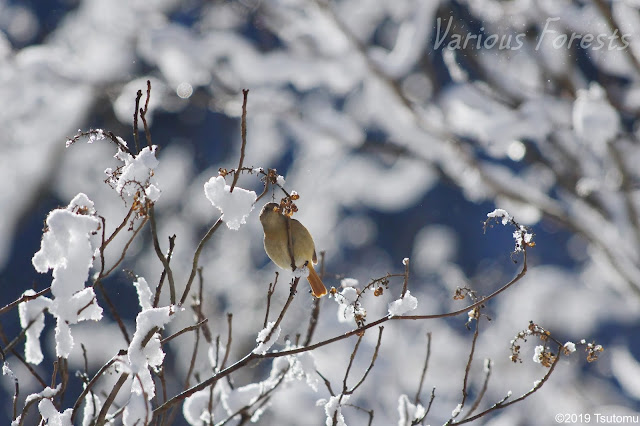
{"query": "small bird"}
(276, 244)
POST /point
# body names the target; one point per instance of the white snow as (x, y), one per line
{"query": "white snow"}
(264, 346)
(334, 407)
(403, 305)
(506, 217)
(66, 248)
(456, 410)
(408, 411)
(196, 408)
(594, 119)
(348, 308)
(537, 355)
(570, 347)
(145, 296)
(137, 172)
(348, 282)
(33, 310)
(52, 416)
(235, 206)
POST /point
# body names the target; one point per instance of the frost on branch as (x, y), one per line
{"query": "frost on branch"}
(196, 407)
(402, 306)
(235, 206)
(263, 344)
(143, 356)
(32, 313)
(409, 412)
(136, 171)
(333, 407)
(52, 416)
(522, 235)
(66, 248)
(349, 307)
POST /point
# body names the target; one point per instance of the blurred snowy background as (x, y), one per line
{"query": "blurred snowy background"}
(398, 135)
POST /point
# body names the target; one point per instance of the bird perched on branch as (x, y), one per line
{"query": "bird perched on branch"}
(280, 248)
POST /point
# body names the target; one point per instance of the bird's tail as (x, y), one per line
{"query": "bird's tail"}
(317, 287)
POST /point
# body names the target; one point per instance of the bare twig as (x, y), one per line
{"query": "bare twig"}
(172, 245)
(143, 115)
(196, 256)
(135, 121)
(292, 293)
(236, 175)
(192, 364)
(184, 330)
(21, 359)
(270, 291)
(351, 359)
(124, 251)
(465, 382)
(424, 369)
(227, 348)
(373, 360)
(100, 421)
(503, 403)
(485, 386)
(163, 259)
(114, 312)
(93, 381)
(24, 298)
(405, 262)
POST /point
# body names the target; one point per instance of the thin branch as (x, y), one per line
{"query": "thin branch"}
(351, 358)
(100, 421)
(124, 252)
(184, 330)
(194, 355)
(485, 386)
(465, 381)
(424, 369)
(114, 312)
(290, 243)
(196, 256)
(503, 403)
(373, 360)
(143, 115)
(292, 293)
(93, 381)
(327, 383)
(172, 245)
(270, 291)
(24, 298)
(135, 121)
(236, 175)
(405, 284)
(227, 348)
(163, 259)
(21, 359)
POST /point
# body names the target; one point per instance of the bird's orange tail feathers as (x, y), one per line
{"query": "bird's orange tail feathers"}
(317, 287)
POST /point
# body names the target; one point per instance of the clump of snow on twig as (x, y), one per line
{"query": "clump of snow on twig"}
(333, 407)
(235, 206)
(403, 305)
(408, 411)
(137, 173)
(263, 344)
(348, 305)
(67, 249)
(522, 235)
